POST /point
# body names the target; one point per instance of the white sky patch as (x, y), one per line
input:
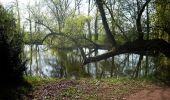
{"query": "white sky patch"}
(24, 13)
(23, 7)
(21, 2)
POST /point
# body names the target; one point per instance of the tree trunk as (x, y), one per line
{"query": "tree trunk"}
(37, 50)
(138, 66)
(152, 47)
(112, 67)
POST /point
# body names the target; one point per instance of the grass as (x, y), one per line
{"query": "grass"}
(35, 81)
(32, 84)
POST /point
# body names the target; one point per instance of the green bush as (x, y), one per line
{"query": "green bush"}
(11, 64)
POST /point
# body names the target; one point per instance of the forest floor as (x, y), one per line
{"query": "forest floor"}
(92, 89)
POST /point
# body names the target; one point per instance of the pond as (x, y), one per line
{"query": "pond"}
(46, 62)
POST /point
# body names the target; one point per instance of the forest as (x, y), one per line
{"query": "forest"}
(85, 49)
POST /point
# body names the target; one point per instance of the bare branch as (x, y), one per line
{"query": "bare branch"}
(111, 14)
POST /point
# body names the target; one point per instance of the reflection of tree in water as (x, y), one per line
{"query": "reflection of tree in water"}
(57, 63)
(68, 65)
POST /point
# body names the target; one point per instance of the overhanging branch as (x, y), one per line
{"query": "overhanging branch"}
(138, 47)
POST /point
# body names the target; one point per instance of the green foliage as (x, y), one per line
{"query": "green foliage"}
(11, 65)
(120, 80)
(73, 28)
(70, 92)
(163, 10)
(76, 24)
(162, 68)
(37, 81)
(7, 24)
(162, 19)
(11, 44)
(102, 38)
(36, 37)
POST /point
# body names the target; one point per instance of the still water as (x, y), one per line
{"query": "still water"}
(52, 63)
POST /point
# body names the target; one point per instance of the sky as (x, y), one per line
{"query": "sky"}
(4, 2)
(8, 2)
(23, 4)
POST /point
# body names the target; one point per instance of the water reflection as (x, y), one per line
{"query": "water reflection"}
(39, 66)
(54, 63)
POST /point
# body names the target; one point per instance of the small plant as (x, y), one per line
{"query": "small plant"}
(70, 92)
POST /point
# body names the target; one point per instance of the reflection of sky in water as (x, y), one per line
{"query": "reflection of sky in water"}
(46, 57)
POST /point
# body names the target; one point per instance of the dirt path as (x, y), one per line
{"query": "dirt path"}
(154, 93)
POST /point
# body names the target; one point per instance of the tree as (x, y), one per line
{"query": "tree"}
(123, 23)
(162, 31)
(138, 46)
(11, 64)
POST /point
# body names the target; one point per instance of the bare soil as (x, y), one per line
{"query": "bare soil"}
(154, 93)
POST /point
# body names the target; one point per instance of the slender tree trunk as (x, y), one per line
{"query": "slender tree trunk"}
(90, 35)
(37, 50)
(30, 26)
(18, 15)
(128, 55)
(31, 48)
(96, 65)
(31, 61)
(96, 39)
(101, 74)
(138, 66)
(61, 72)
(148, 30)
(112, 67)
(146, 66)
